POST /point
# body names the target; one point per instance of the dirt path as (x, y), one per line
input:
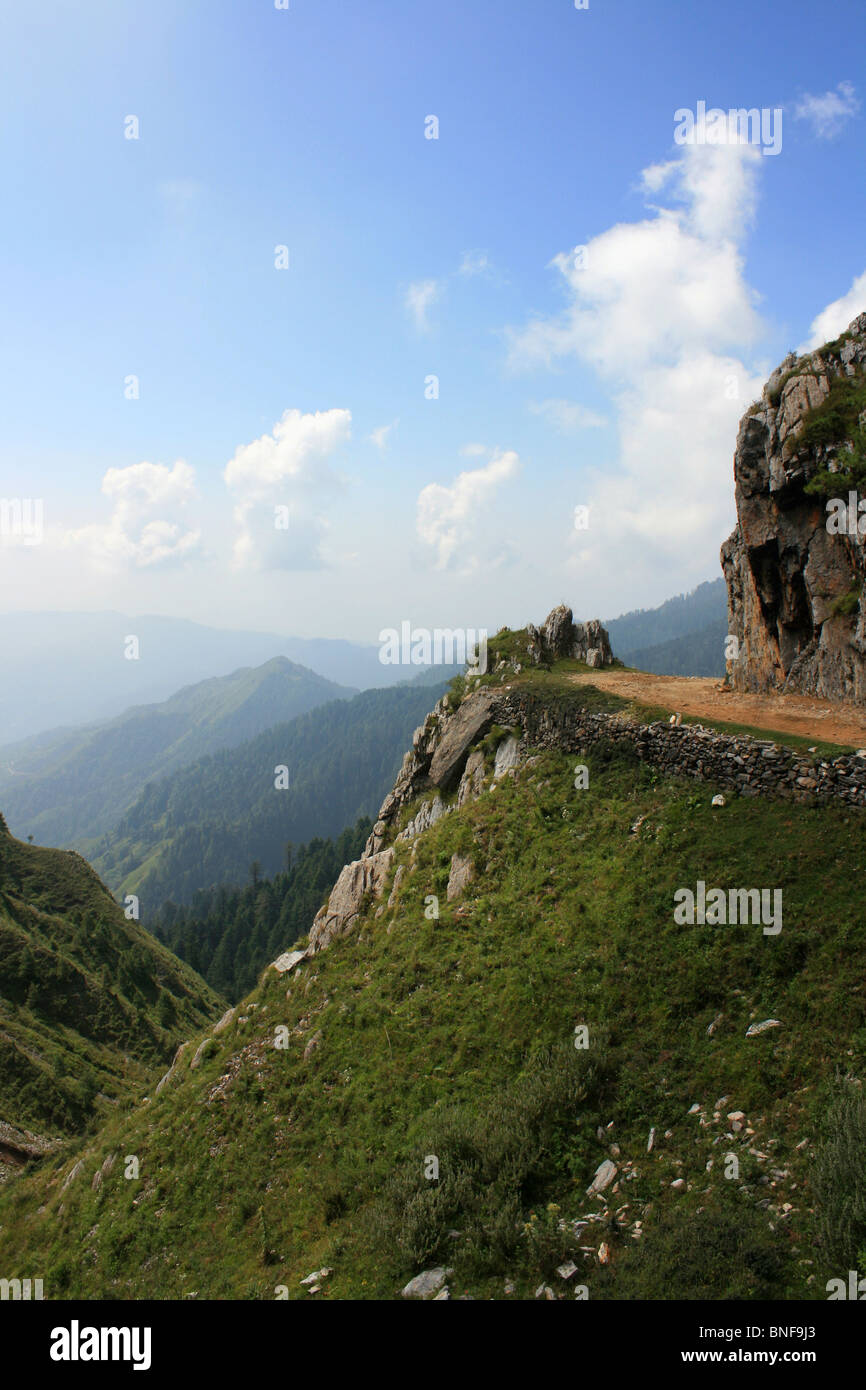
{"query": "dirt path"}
(704, 698)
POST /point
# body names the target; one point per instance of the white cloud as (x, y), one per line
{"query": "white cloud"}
(474, 263)
(448, 517)
(419, 297)
(379, 436)
(567, 416)
(827, 114)
(289, 469)
(836, 317)
(662, 311)
(138, 533)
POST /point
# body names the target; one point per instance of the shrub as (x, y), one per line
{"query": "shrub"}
(493, 1163)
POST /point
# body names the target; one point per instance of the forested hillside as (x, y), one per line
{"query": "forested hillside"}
(208, 823)
(679, 617)
(70, 785)
(230, 934)
(700, 653)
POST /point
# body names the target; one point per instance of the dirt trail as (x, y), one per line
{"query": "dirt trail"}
(704, 698)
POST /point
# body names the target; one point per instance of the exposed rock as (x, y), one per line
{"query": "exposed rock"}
(395, 887)
(224, 1022)
(315, 1041)
(72, 1174)
(462, 730)
(362, 879)
(199, 1054)
(561, 637)
(173, 1069)
(462, 873)
(428, 814)
(19, 1146)
(755, 1028)
(287, 961)
(472, 780)
(604, 1176)
(507, 756)
(784, 571)
(423, 1285)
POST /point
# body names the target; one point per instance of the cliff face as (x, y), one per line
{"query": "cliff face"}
(795, 583)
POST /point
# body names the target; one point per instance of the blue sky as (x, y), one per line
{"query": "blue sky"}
(616, 385)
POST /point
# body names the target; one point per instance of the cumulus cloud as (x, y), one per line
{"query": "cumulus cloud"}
(661, 310)
(448, 517)
(419, 298)
(836, 317)
(138, 532)
(567, 416)
(828, 114)
(280, 482)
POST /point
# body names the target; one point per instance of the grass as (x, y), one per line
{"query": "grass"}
(90, 1002)
(439, 1034)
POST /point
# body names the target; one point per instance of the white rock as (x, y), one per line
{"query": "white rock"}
(287, 961)
(567, 1270)
(755, 1028)
(718, 801)
(430, 1281)
(604, 1176)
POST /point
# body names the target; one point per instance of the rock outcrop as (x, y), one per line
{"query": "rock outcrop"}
(796, 587)
(561, 637)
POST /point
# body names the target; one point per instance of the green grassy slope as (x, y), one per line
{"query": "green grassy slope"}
(415, 1037)
(90, 1003)
(74, 784)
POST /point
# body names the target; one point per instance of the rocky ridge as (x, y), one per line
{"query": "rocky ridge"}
(446, 767)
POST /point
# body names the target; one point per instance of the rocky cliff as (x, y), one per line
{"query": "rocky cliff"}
(795, 575)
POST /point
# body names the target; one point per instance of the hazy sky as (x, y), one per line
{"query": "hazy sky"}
(167, 384)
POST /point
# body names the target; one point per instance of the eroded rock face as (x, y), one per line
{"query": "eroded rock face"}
(786, 574)
(561, 637)
(364, 877)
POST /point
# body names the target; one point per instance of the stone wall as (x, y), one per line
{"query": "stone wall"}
(750, 766)
(747, 765)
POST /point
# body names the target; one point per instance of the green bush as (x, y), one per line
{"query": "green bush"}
(494, 1163)
(726, 1251)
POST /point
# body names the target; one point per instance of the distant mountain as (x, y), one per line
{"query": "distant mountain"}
(684, 636)
(699, 653)
(90, 1003)
(71, 785)
(209, 822)
(70, 668)
(647, 627)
